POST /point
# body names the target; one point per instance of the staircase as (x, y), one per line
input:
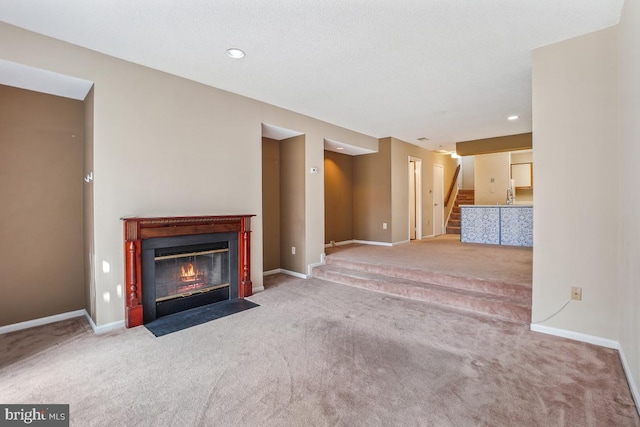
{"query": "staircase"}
(464, 197)
(497, 300)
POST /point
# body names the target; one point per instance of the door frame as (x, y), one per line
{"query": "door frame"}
(438, 203)
(418, 196)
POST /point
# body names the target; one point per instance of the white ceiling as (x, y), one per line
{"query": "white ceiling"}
(447, 70)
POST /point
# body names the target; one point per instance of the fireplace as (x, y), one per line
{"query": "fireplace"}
(177, 263)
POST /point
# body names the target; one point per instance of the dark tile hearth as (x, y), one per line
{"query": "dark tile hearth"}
(196, 316)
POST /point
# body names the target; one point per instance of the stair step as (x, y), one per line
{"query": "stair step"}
(500, 289)
(474, 302)
(464, 197)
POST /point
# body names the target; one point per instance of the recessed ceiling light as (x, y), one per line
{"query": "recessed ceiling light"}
(513, 117)
(339, 148)
(235, 53)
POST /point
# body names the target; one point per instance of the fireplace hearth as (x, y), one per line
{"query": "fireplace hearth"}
(174, 264)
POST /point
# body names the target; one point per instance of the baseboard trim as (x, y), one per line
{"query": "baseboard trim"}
(370, 242)
(284, 271)
(270, 272)
(293, 273)
(404, 242)
(576, 336)
(102, 329)
(602, 342)
(630, 379)
(258, 289)
(41, 321)
(428, 237)
(345, 242)
(310, 267)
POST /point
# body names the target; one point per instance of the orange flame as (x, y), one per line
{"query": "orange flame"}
(188, 273)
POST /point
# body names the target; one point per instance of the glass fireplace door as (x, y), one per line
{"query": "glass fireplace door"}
(186, 274)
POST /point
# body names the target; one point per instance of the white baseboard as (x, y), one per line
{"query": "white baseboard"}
(630, 379)
(284, 271)
(577, 336)
(429, 236)
(294, 273)
(258, 289)
(310, 267)
(270, 272)
(104, 328)
(400, 243)
(370, 242)
(41, 321)
(603, 342)
(345, 242)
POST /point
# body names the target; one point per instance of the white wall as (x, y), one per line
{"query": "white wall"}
(629, 71)
(576, 226)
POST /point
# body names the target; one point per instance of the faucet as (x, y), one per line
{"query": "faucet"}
(509, 196)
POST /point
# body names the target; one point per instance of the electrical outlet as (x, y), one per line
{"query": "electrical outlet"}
(332, 243)
(293, 250)
(384, 225)
(576, 293)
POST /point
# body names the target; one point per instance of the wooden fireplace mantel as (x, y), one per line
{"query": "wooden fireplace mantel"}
(138, 229)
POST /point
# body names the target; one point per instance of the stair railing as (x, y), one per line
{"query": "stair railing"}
(452, 186)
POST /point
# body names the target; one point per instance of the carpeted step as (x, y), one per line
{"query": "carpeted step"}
(453, 230)
(491, 287)
(498, 307)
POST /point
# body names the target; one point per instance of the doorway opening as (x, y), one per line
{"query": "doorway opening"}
(415, 198)
(438, 199)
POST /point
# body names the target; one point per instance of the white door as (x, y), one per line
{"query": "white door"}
(438, 199)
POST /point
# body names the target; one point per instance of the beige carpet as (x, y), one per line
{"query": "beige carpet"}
(446, 254)
(321, 354)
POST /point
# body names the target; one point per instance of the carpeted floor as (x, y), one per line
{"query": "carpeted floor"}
(446, 254)
(319, 354)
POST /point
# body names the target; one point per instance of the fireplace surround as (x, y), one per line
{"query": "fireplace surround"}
(176, 263)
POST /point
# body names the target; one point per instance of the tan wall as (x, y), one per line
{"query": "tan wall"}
(468, 173)
(576, 228)
(271, 203)
(338, 197)
(401, 151)
(372, 194)
(497, 144)
(629, 132)
(89, 261)
(167, 146)
(521, 157)
(523, 195)
(450, 166)
(41, 250)
(488, 168)
(292, 204)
